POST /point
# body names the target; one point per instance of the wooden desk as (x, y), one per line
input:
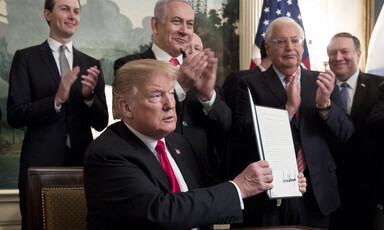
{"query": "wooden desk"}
(292, 227)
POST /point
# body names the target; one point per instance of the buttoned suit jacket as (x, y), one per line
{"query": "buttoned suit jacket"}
(33, 83)
(127, 188)
(315, 132)
(358, 152)
(205, 133)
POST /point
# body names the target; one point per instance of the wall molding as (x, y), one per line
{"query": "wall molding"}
(10, 218)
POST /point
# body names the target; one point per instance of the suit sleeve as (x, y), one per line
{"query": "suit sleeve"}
(340, 125)
(99, 110)
(22, 109)
(243, 117)
(220, 115)
(123, 190)
(376, 118)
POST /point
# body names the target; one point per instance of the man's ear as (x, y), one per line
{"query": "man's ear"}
(125, 108)
(155, 25)
(47, 15)
(267, 48)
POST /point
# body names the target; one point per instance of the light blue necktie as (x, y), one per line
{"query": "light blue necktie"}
(344, 95)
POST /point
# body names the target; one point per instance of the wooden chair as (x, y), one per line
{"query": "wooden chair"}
(56, 198)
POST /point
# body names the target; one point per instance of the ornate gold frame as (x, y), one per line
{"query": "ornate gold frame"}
(368, 24)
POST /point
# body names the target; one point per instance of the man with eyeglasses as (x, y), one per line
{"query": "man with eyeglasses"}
(316, 115)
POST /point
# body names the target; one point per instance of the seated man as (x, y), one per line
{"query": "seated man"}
(133, 182)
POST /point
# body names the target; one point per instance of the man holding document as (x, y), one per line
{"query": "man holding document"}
(315, 115)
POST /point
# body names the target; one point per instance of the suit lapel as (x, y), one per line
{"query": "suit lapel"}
(145, 155)
(361, 92)
(49, 60)
(307, 89)
(273, 83)
(187, 174)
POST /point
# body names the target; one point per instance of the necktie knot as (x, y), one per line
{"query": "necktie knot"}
(288, 80)
(63, 48)
(174, 61)
(344, 85)
(160, 147)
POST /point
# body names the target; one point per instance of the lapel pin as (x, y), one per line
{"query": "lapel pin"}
(362, 84)
(178, 151)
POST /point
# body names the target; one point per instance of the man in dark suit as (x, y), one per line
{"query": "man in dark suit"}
(127, 184)
(356, 210)
(375, 126)
(234, 163)
(202, 116)
(314, 109)
(57, 111)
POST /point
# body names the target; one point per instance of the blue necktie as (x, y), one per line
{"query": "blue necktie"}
(344, 95)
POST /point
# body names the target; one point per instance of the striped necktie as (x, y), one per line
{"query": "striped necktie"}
(300, 160)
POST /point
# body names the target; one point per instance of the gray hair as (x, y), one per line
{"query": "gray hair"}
(161, 6)
(278, 21)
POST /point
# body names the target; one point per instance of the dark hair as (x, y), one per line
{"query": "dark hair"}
(49, 4)
(263, 52)
(348, 35)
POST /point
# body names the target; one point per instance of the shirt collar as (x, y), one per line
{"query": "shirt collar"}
(282, 76)
(55, 45)
(148, 141)
(352, 81)
(164, 56)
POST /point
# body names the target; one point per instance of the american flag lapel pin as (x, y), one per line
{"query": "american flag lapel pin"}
(362, 84)
(178, 151)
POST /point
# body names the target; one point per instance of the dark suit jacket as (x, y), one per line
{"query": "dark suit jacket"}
(33, 83)
(205, 133)
(314, 132)
(231, 83)
(358, 153)
(234, 162)
(126, 187)
(375, 126)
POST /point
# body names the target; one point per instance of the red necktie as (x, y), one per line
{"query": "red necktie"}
(300, 155)
(173, 184)
(174, 61)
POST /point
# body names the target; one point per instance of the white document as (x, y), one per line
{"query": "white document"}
(275, 145)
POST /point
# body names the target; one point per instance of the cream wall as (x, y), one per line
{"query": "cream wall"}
(321, 18)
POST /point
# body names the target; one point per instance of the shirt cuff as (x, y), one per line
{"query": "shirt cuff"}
(207, 105)
(239, 193)
(89, 103)
(57, 107)
(181, 94)
(325, 114)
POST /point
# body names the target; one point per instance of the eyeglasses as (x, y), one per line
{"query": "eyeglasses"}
(283, 42)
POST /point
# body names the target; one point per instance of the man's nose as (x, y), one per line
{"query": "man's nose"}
(169, 101)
